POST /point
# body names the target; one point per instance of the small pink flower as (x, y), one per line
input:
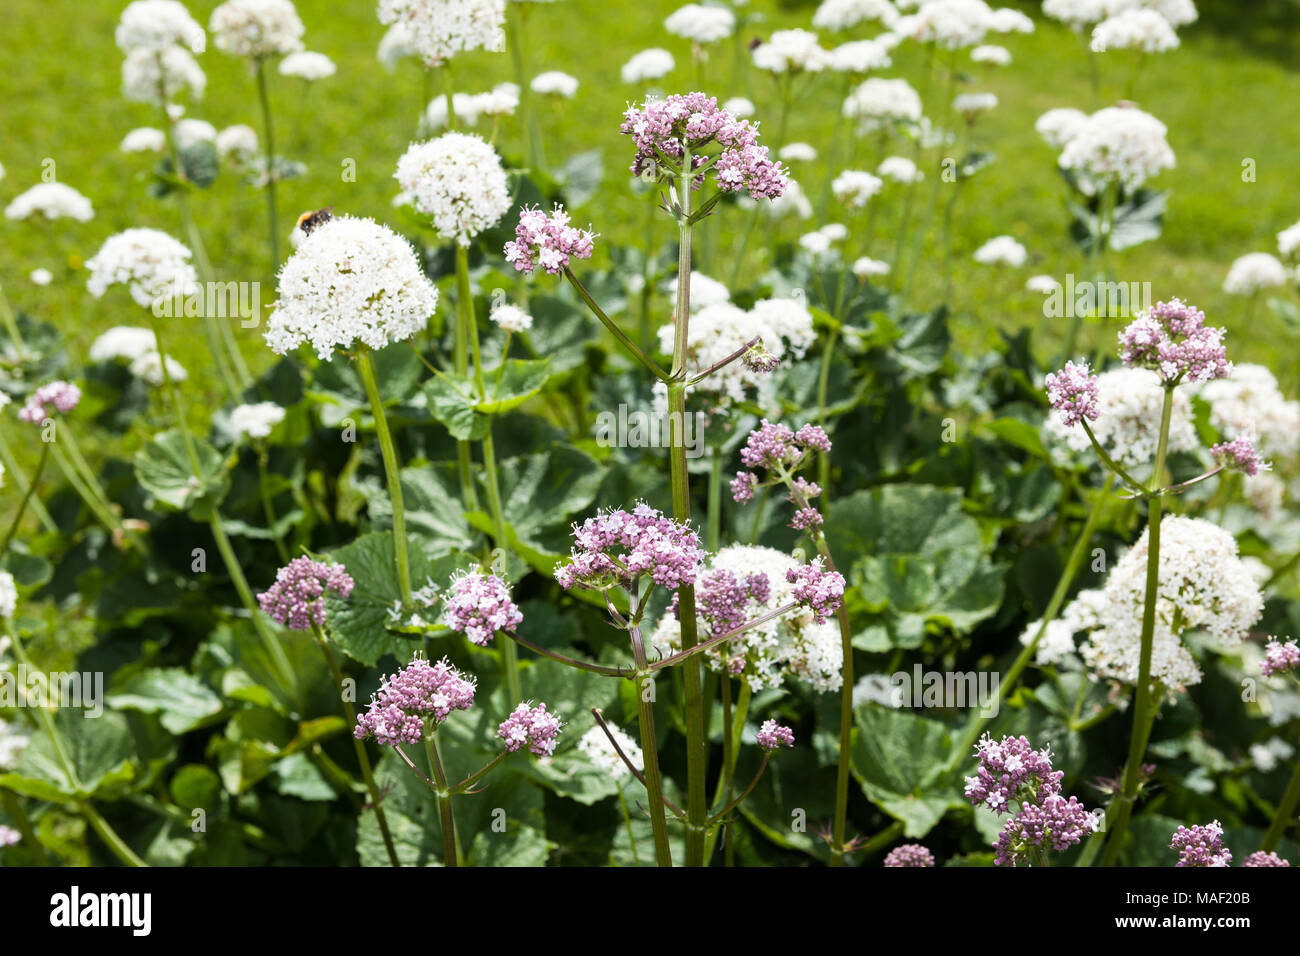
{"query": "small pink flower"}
(772, 736)
(533, 727)
(297, 598)
(1073, 392)
(479, 605)
(420, 691)
(817, 589)
(547, 241)
(1239, 454)
(59, 395)
(909, 854)
(1200, 846)
(1280, 658)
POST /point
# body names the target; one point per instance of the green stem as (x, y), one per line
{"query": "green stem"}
(715, 502)
(27, 497)
(14, 471)
(445, 814)
(14, 808)
(645, 711)
(10, 323)
(1285, 815)
(392, 471)
(627, 822)
(271, 173)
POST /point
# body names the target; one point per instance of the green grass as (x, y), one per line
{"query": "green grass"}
(1222, 100)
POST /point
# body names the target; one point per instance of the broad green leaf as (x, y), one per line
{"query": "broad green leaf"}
(183, 700)
(97, 750)
(164, 470)
(897, 758)
(511, 386)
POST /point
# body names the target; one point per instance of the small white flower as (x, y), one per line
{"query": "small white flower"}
(701, 24)
(866, 267)
(456, 179)
(256, 420)
(256, 28)
(238, 141)
(988, 53)
(41, 277)
(855, 188)
(652, 64)
(1001, 250)
(554, 83)
(50, 201)
(511, 318)
(797, 152)
(307, 65)
(1253, 272)
(146, 139)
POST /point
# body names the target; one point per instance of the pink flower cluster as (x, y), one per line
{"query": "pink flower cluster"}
(62, 396)
(772, 446)
(1173, 339)
(772, 736)
(547, 241)
(405, 700)
(1011, 769)
(694, 121)
(479, 605)
(1261, 859)
(722, 599)
(1056, 823)
(1280, 658)
(817, 589)
(1239, 454)
(1200, 846)
(533, 727)
(616, 547)
(297, 598)
(1073, 392)
(909, 854)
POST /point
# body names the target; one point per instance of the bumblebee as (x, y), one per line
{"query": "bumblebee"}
(312, 220)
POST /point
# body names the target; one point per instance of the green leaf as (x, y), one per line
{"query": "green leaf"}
(516, 382)
(164, 470)
(1021, 434)
(183, 700)
(98, 751)
(195, 786)
(582, 175)
(451, 401)
(897, 758)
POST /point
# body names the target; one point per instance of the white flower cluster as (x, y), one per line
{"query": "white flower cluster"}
(307, 65)
(790, 646)
(797, 153)
(350, 280)
(1253, 272)
(150, 263)
(1288, 242)
(705, 291)
(1058, 126)
(866, 267)
(1080, 616)
(854, 188)
(701, 24)
(1177, 13)
(1117, 143)
(1001, 251)
(878, 102)
(144, 139)
(156, 24)
(651, 64)
(1130, 401)
(991, 54)
(188, 132)
(969, 104)
(876, 689)
(1136, 29)
(149, 369)
(256, 28)
(456, 179)
(50, 201)
(439, 29)
(396, 44)
(1076, 14)
(1249, 402)
(255, 420)
(820, 242)
(597, 748)
(501, 100)
(955, 24)
(8, 595)
(554, 83)
(238, 141)
(899, 169)
(511, 318)
(12, 739)
(1204, 585)
(859, 56)
(837, 15)
(790, 51)
(158, 75)
(127, 342)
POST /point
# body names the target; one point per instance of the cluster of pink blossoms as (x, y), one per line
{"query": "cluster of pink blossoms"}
(1172, 339)
(1057, 823)
(817, 589)
(772, 736)
(1011, 769)
(722, 599)
(1280, 658)
(297, 598)
(1073, 392)
(616, 547)
(694, 121)
(909, 854)
(1261, 859)
(776, 446)
(479, 605)
(60, 396)
(1201, 846)
(548, 241)
(405, 700)
(533, 727)
(1241, 455)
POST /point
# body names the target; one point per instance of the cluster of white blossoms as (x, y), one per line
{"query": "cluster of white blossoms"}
(501, 100)
(190, 131)
(1288, 242)
(1128, 428)
(595, 745)
(652, 64)
(1058, 126)
(793, 645)
(705, 291)
(956, 24)
(971, 104)
(878, 102)
(991, 54)
(1080, 616)
(350, 281)
(149, 369)
(1204, 585)
(256, 28)
(1075, 14)
(439, 29)
(50, 201)
(255, 420)
(457, 179)
(876, 689)
(155, 24)
(1254, 272)
(701, 24)
(144, 139)
(742, 108)
(1249, 402)
(150, 263)
(899, 169)
(855, 188)
(797, 153)
(720, 329)
(790, 51)
(1001, 251)
(1269, 755)
(837, 15)
(238, 142)
(8, 597)
(859, 56)
(396, 45)
(865, 267)
(159, 76)
(510, 318)
(820, 241)
(307, 65)
(1137, 29)
(124, 342)
(554, 83)
(1118, 143)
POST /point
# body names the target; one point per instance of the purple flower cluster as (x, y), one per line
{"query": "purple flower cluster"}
(909, 854)
(1260, 858)
(817, 589)
(533, 727)
(1239, 454)
(297, 598)
(616, 547)
(547, 241)
(479, 605)
(1011, 769)
(722, 599)
(1173, 339)
(758, 359)
(772, 736)
(694, 121)
(1057, 823)
(405, 700)
(1279, 658)
(743, 485)
(1200, 846)
(61, 396)
(9, 836)
(1073, 392)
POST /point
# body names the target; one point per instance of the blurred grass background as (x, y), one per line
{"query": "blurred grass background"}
(1229, 94)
